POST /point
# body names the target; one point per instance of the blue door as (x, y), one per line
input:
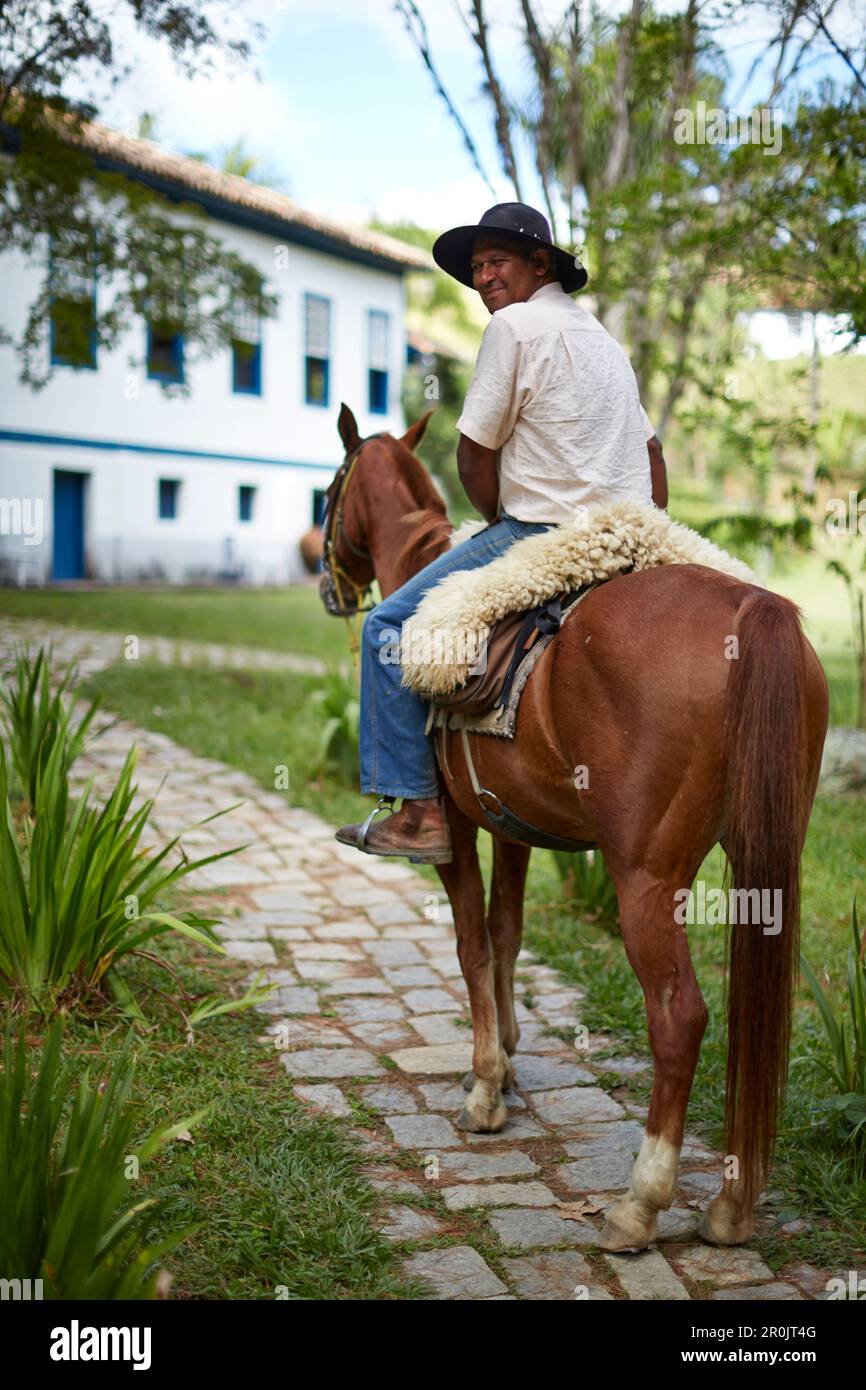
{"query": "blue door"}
(68, 525)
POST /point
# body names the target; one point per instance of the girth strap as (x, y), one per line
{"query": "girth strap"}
(506, 822)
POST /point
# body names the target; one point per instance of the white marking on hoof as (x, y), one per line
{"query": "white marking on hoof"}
(654, 1176)
(632, 1223)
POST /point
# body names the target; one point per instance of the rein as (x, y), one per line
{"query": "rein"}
(350, 606)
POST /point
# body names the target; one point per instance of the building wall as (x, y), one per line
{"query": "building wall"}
(274, 442)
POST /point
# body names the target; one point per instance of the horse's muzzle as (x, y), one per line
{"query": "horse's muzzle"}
(328, 595)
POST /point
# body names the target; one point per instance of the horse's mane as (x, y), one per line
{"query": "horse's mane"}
(429, 536)
(428, 528)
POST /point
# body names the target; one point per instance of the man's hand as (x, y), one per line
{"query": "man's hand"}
(479, 474)
(658, 472)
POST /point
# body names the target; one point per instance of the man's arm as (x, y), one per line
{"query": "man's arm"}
(489, 414)
(658, 472)
(479, 474)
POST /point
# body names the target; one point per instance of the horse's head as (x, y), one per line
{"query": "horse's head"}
(368, 477)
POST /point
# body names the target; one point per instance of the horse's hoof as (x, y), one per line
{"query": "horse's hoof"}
(719, 1225)
(482, 1122)
(626, 1231)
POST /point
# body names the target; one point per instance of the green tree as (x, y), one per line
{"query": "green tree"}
(162, 260)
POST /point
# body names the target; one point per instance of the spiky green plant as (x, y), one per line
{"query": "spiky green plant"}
(36, 717)
(74, 1212)
(847, 1038)
(78, 892)
(585, 878)
(337, 706)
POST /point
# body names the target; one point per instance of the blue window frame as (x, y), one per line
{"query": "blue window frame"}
(378, 347)
(247, 351)
(246, 500)
(169, 492)
(72, 302)
(246, 368)
(164, 352)
(317, 349)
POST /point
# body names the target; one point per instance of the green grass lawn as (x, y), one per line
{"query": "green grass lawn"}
(283, 620)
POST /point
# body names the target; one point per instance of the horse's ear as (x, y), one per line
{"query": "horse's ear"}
(348, 427)
(415, 432)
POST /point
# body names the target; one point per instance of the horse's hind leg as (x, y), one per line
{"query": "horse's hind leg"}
(484, 1109)
(676, 1014)
(505, 930)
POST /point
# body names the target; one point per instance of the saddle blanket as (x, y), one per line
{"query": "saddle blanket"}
(442, 641)
(501, 720)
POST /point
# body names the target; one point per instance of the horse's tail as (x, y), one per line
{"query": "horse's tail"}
(766, 812)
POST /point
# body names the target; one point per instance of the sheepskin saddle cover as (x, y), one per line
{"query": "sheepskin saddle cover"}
(443, 641)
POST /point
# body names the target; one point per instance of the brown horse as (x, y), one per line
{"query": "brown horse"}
(685, 747)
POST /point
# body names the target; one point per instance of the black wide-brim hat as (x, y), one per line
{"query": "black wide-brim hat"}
(452, 251)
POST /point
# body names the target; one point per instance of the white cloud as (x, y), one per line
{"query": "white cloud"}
(203, 112)
(455, 203)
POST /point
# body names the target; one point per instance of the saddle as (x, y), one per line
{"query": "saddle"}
(509, 642)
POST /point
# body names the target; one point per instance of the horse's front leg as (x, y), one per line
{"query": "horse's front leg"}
(484, 1109)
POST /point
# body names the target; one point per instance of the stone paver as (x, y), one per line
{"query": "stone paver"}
(774, 1292)
(389, 1100)
(256, 952)
(534, 1228)
(362, 952)
(458, 1272)
(497, 1194)
(422, 1131)
(547, 1073)
(331, 1061)
(646, 1276)
(469, 1167)
(328, 1100)
(405, 1223)
(736, 1265)
(434, 1061)
(602, 1173)
(577, 1104)
(554, 1275)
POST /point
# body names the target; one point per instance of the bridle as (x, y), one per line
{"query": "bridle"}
(335, 579)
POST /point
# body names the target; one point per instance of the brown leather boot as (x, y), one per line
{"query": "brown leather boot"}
(424, 839)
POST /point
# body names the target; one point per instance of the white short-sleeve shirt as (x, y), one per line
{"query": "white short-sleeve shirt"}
(555, 392)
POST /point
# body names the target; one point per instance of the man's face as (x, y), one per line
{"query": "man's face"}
(501, 275)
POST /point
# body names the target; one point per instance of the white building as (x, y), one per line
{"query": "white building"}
(103, 476)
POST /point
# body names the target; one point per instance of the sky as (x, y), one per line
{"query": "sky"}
(346, 116)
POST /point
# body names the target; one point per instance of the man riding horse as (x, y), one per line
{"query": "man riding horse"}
(552, 421)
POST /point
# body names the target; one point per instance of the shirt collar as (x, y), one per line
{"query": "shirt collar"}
(547, 291)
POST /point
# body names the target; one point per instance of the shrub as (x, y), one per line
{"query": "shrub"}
(847, 1039)
(36, 719)
(67, 1215)
(336, 703)
(78, 893)
(585, 878)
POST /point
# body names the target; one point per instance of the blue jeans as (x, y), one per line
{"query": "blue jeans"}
(397, 757)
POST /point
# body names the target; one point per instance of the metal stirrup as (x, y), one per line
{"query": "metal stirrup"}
(361, 836)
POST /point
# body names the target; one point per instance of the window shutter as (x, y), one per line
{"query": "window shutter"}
(378, 345)
(317, 326)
